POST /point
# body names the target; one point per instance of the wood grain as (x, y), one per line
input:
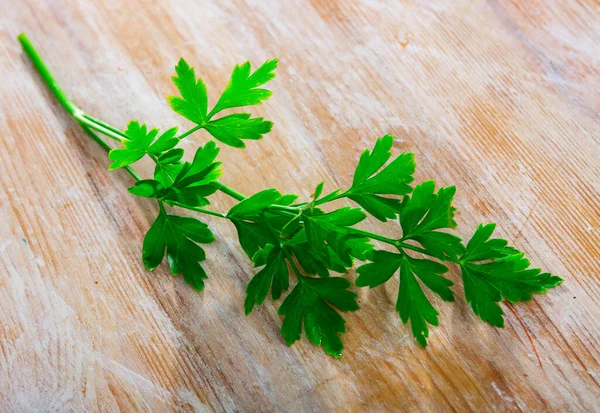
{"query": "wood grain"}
(500, 98)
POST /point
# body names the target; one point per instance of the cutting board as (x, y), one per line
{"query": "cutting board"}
(500, 98)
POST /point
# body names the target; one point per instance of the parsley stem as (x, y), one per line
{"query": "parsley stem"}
(81, 117)
(292, 263)
(201, 210)
(397, 243)
(402, 244)
(284, 213)
(107, 148)
(61, 96)
(105, 126)
(46, 75)
(331, 197)
(229, 191)
(413, 248)
(153, 157)
(375, 236)
(97, 138)
(294, 210)
(189, 132)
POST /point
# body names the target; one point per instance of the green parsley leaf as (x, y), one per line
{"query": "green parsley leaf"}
(312, 261)
(192, 183)
(250, 207)
(147, 188)
(171, 156)
(315, 262)
(164, 142)
(330, 232)
(243, 90)
(423, 213)
(393, 179)
(232, 129)
(255, 224)
(332, 245)
(191, 189)
(165, 172)
(203, 167)
(180, 237)
(382, 267)
(193, 102)
(273, 275)
(318, 191)
(412, 303)
(493, 271)
(140, 141)
(253, 237)
(313, 302)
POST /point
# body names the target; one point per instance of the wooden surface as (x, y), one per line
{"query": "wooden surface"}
(501, 98)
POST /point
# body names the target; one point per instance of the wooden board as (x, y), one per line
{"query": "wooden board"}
(500, 98)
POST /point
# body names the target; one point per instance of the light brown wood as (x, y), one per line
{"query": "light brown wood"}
(500, 98)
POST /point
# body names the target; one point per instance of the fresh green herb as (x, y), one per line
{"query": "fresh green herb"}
(242, 90)
(298, 244)
(139, 142)
(394, 179)
(492, 271)
(180, 237)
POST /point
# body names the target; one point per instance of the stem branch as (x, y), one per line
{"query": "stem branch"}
(331, 197)
(107, 148)
(293, 264)
(412, 247)
(105, 126)
(62, 97)
(189, 132)
(229, 191)
(201, 210)
(402, 244)
(47, 76)
(284, 208)
(375, 236)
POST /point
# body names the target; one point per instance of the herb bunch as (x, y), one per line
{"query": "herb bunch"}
(298, 245)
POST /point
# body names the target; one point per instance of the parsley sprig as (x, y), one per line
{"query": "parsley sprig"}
(297, 247)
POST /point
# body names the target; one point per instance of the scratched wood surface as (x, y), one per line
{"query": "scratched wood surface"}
(500, 98)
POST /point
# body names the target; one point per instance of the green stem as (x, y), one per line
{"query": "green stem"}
(402, 244)
(189, 132)
(61, 96)
(153, 157)
(412, 247)
(47, 76)
(272, 230)
(98, 140)
(284, 213)
(291, 209)
(229, 191)
(375, 236)
(107, 148)
(398, 244)
(201, 210)
(106, 126)
(89, 123)
(293, 264)
(83, 120)
(330, 197)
